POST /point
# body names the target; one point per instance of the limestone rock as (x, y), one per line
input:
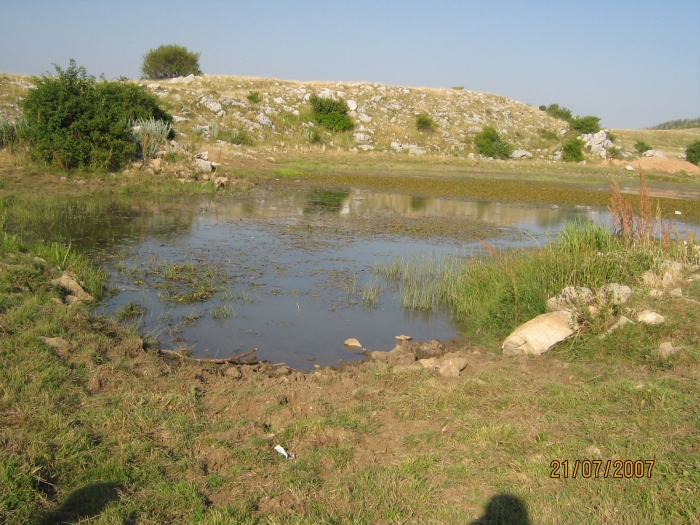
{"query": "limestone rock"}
(352, 105)
(614, 293)
(666, 350)
(403, 337)
(571, 298)
(521, 154)
(60, 345)
(539, 334)
(203, 165)
(265, 121)
(70, 285)
(654, 153)
(651, 318)
(221, 182)
(353, 343)
(452, 367)
(622, 321)
(362, 137)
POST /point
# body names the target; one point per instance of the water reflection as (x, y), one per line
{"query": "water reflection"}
(291, 289)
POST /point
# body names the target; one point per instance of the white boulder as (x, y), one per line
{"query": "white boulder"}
(539, 334)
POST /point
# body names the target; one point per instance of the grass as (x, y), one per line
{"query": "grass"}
(109, 432)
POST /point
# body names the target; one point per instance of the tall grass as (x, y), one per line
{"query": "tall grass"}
(496, 292)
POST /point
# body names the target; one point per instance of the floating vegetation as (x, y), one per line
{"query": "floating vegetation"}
(221, 312)
(129, 311)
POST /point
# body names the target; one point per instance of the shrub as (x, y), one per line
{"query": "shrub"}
(74, 121)
(573, 151)
(543, 108)
(424, 123)
(169, 61)
(254, 97)
(490, 144)
(642, 146)
(239, 137)
(589, 124)
(324, 106)
(458, 88)
(331, 114)
(335, 121)
(150, 135)
(559, 112)
(692, 153)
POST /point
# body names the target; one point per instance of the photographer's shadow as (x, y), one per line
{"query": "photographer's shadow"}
(83, 503)
(504, 509)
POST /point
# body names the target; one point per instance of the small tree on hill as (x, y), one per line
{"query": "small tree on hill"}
(170, 61)
(572, 151)
(490, 144)
(331, 114)
(692, 153)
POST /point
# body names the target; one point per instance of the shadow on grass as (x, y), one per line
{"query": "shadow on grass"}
(504, 509)
(85, 502)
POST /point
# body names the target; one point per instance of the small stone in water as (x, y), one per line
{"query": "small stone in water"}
(352, 343)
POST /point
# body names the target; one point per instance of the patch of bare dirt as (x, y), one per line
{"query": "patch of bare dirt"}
(666, 165)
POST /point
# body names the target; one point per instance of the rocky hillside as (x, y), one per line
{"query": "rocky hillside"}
(260, 116)
(384, 116)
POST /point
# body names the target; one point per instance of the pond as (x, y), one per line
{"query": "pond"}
(287, 272)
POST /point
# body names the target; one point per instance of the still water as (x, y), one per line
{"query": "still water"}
(284, 273)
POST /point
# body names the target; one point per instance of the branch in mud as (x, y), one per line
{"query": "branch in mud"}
(170, 353)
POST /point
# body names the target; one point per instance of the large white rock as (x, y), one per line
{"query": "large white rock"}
(614, 293)
(539, 334)
(521, 154)
(654, 153)
(264, 120)
(651, 318)
(352, 105)
(362, 137)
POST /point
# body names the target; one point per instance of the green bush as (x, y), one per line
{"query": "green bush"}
(331, 114)
(253, 97)
(558, 112)
(589, 124)
(642, 146)
(490, 144)
(325, 106)
(335, 121)
(692, 153)
(74, 121)
(170, 61)
(424, 123)
(573, 151)
(239, 137)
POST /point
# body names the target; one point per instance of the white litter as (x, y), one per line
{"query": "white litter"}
(280, 450)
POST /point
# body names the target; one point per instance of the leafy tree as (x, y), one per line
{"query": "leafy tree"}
(573, 151)
(331, 114)
(642, 146)
(559, 112)
(589, 124)
(170, 61)
(490, 144)
(424, 123)
(74, 121)
(692, 152)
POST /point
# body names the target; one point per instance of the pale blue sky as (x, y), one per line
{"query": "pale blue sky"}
(632, 63)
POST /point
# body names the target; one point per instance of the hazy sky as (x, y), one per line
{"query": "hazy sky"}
(634, 63)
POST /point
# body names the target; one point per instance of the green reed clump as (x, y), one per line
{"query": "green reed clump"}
(494, 293)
